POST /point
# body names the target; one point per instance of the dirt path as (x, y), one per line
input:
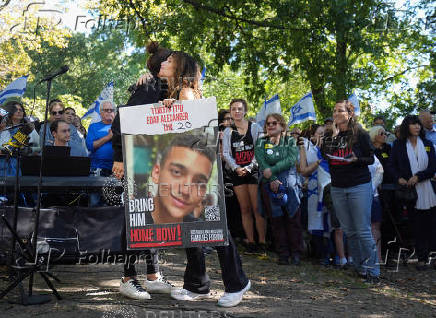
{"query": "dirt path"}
(277, 291)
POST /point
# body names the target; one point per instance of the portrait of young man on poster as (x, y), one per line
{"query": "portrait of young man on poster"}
(181, 175)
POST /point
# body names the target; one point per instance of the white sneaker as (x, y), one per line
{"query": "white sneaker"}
(183, 294)
(133, 289)
(233, 299)
(158, 286)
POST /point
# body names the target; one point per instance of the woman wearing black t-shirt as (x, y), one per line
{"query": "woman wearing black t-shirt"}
(349, 152)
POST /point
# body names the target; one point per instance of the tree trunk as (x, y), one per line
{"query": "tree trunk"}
(318, 96)
(340, 82)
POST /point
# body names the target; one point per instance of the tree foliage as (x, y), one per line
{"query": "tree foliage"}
(336, 45)
(37, 47)
(252, 49)
(20, 32)
(94, 60)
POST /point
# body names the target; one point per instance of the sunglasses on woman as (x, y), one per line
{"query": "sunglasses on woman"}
(272, 123)
(57, 113)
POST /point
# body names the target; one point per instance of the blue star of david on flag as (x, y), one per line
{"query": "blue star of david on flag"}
(303, 110)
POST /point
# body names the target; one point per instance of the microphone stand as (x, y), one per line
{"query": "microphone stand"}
(38, 204)
(34, 263)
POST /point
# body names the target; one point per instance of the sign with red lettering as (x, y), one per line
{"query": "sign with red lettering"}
(156, 119)
(175, 194)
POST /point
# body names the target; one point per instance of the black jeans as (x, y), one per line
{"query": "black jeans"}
(233, 276)
(425, 225)
(195, 279)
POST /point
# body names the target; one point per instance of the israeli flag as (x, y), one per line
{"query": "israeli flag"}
(94, 110)
(302, 111)
(270, 106)
(203, 76)
(355, 101)
(14, 89)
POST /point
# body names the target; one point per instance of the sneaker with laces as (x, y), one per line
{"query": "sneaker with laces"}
(158, 286)
(184, 294)
(251, 249)
(233, 299)
(133, 289)
(262, 248)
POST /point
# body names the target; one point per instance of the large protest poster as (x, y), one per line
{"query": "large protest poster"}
(174, 195)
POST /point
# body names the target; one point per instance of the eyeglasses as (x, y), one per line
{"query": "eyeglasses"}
(57, 113)
(383, 133)
(109, 110)
(272, 123)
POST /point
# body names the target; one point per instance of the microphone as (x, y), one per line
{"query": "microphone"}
(60, 71)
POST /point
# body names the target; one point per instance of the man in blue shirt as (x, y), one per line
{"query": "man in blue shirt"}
(99, 144)
(99, 141)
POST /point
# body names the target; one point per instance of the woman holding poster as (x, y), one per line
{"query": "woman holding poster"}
(145, 93)
(182, 75)
(165, 65)
(238, 152)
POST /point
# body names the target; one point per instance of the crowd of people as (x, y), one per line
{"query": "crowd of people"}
(360, 195)
(351, 190)
(64, 129)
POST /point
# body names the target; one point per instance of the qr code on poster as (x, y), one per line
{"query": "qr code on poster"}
(212, 213)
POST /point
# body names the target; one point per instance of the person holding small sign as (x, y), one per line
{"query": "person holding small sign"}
(143, 93)
(176, 69)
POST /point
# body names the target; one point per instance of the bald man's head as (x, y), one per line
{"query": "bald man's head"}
(426, 119)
